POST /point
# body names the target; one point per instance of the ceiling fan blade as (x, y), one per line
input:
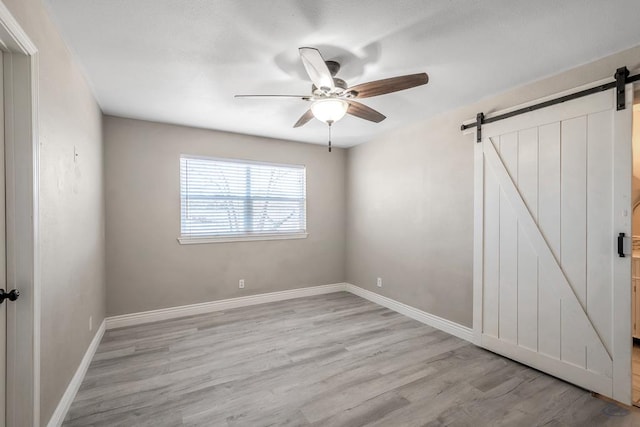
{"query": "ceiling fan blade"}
(360, 110)
(394, 84)
(304, 119)
(316, 68)
(302, 97)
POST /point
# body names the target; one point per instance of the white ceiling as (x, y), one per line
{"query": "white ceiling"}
(181, 61)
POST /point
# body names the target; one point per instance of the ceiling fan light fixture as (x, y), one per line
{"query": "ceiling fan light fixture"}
(332, 98)
(329, 110)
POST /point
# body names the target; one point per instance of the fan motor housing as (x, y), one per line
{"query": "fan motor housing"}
(339, 83)
(333, 67)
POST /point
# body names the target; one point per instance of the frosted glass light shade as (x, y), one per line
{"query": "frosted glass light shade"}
(329, 110)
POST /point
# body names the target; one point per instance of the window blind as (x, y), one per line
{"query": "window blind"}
(227, 198)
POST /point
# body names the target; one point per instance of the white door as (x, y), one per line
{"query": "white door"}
(3, 270)
(552, 191)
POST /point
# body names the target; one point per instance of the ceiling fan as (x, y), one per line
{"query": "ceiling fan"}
(331, 98)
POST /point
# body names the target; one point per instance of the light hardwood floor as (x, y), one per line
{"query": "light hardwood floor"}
(330, 360)
(635, 368)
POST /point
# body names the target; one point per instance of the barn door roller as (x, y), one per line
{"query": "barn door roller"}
(479, 121)
(621, 80)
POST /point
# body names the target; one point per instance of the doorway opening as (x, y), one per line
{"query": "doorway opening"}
(635, 260)
(21, 146)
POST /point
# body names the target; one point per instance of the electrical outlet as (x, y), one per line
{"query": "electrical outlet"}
(379, 283)
(241, 284)
(90, 323)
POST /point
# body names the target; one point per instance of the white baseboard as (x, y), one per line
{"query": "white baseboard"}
(227, 304)
(445, 325)
(72, 389)
(212, 306)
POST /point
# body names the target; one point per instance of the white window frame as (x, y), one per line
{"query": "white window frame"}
(196, 240)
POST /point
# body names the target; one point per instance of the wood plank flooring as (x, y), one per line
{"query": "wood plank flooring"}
(635, 369)
(330, 360)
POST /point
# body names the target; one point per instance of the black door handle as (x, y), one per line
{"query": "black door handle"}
(11, 296)
(621, 245)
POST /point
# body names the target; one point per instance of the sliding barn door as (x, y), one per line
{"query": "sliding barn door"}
(552, 192)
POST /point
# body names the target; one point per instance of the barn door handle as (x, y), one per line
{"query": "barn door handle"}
(624, 248)
(11, 296)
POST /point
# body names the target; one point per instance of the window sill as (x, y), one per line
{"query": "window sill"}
(228, 239)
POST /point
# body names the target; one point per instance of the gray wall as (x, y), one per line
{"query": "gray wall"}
(148, 269)
(71, 206)
(410, 201)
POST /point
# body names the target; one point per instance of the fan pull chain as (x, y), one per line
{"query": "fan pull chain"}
(330, 122)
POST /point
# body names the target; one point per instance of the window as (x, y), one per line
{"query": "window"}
(224, 199)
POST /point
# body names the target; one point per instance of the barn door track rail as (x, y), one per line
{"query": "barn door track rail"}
(622, 78)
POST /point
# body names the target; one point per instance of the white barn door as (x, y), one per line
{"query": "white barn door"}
(552, 191)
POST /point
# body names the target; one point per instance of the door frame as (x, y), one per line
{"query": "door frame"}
(621, 294)
(22, 194)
